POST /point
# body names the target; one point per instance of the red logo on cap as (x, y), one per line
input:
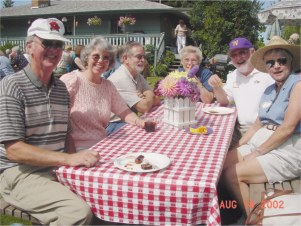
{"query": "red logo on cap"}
(54, 26)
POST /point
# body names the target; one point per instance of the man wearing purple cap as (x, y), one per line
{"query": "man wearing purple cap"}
(34, 125)
(244, 86)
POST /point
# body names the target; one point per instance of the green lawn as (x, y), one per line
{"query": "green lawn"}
(8, 220)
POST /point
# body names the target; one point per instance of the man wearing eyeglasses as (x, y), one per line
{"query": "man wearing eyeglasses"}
(244, 86)
(130, 83)
(34, 125)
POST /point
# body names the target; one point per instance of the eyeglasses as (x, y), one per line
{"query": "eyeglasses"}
(281, 61)
(186, 60)
(240, 53)
(97, 57)
(140, 57)
(47, 44)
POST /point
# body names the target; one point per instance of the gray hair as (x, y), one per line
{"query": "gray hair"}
(126, 49)
(191, 49)
(16, 49)
(279, 50)
(98, 43)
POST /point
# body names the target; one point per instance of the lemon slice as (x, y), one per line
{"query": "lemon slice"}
(199, 130)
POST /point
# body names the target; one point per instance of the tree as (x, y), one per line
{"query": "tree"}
(7, 3)
(216, 23)
(287, 31)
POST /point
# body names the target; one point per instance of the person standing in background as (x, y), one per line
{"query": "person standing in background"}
(181, 34)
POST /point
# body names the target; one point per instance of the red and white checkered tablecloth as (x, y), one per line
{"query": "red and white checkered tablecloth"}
(182, 194)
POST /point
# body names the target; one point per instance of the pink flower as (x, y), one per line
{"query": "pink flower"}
(168, 87)
(184, 87)
(126, 20)
(178, 84)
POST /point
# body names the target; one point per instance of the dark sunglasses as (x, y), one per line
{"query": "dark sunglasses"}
(281, 61)
(47, 44)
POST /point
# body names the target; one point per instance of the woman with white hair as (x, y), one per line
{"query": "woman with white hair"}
(293, 40)
(191, 56)
(271, 147)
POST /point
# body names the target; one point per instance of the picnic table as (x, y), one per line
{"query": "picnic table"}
(184, 193)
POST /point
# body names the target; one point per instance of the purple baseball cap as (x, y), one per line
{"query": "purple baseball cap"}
(240, 43)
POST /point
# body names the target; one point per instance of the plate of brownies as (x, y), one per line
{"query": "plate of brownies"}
(142, 162)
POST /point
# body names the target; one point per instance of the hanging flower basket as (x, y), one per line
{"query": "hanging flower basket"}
(126, 20)
(94, 21)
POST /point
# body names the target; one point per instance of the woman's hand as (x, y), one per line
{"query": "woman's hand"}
(252, 155)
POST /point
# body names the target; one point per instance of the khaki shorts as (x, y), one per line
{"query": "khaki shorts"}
(36, 191)
(281, 164)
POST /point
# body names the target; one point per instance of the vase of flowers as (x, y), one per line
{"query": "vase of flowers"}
(180, 94)
(126, 20)
(94, 21)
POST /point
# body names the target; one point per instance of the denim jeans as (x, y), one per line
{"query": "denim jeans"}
(114, 126)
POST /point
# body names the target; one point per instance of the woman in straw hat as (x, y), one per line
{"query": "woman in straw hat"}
(271, 147)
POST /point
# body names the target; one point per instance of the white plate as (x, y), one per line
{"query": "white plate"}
(127, 162)
(218, 110)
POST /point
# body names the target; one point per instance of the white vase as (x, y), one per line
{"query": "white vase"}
(179, 112)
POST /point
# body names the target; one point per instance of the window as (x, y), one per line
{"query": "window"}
(115, 29)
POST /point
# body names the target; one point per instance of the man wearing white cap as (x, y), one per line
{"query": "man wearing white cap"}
(34, 124)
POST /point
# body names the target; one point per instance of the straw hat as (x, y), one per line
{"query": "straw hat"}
(276, 43)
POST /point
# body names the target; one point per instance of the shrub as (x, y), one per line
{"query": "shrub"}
(161, 70)
(150, 53)
(8, 45)
(169, 57)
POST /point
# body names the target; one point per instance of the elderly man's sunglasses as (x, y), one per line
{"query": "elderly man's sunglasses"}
(50, 44)
(281, 61)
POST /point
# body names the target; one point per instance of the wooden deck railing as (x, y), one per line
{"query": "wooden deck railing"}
(157, 40)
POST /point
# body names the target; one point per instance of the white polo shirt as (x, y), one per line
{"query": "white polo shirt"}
(246, 92)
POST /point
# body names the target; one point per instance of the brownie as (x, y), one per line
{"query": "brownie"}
(139, 159)
(146, 166)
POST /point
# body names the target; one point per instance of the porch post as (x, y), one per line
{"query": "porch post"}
(74, 25)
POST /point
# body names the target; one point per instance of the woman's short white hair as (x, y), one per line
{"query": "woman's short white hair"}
(191, 49)
(294, 37)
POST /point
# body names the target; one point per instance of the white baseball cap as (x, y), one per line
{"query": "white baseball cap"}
(51, 29)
